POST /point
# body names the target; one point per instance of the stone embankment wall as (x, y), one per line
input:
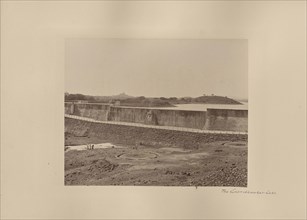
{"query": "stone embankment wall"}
(177, 118)
(95, 111)
(212, 119)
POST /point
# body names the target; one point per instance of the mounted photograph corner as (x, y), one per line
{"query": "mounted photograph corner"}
(156, 112)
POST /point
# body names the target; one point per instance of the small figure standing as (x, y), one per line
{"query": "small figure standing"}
(90, 146)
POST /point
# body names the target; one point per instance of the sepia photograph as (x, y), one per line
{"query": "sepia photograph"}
(153, 109)
(156, 112)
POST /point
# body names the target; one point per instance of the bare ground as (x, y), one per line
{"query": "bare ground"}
(154, 163)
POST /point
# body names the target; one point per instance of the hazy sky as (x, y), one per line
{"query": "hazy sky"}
(156, 68)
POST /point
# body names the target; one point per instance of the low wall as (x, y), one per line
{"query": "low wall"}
(212, 119)
(69, 108)
(227, 120)
(135, 115)
(95, 111)
(177, 118)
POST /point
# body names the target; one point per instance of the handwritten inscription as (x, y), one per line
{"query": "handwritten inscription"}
(240, 191)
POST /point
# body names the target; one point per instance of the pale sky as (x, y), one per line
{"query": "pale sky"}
(157, 68)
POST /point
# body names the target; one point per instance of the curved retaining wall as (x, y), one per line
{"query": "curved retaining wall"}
(212, 119)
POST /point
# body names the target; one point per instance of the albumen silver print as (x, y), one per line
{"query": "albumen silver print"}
(156, 112)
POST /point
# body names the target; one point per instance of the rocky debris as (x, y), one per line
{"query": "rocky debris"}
(229, 176)
(182, 173)
(223, 166)
(102, 166)
(95, 170)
